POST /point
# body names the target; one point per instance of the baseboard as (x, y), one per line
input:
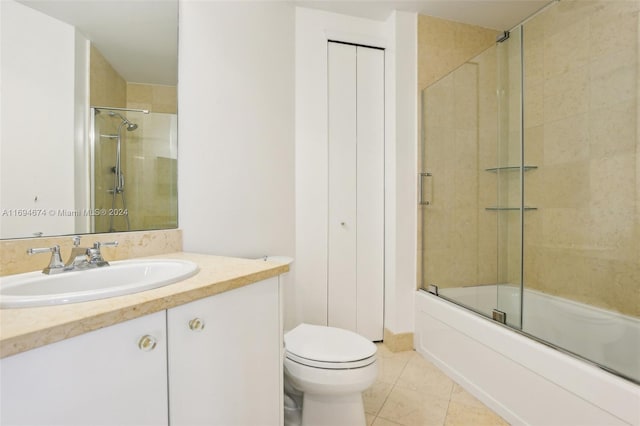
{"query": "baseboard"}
(398, 342)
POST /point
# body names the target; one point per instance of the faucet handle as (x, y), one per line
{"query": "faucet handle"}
(76, 240)
(98, 244)
(95, 256)
(55, 263)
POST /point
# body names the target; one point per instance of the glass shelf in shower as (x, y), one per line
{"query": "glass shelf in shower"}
(495, 208)
(510, 169)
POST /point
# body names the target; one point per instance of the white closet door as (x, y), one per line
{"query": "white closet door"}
(370, 192)
(342, 296)
(356, 189)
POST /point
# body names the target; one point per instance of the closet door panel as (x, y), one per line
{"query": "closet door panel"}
(370, 192)
(342, 186)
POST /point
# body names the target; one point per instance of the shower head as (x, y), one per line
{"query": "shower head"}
(130, 126)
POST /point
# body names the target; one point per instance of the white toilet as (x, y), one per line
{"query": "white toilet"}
(326, 369)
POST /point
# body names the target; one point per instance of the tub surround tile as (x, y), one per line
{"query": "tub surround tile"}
(154, 97)
(445, 45)
(566, 50)
(107, 87)
(613, 130)
(28, 328)
(581, 244)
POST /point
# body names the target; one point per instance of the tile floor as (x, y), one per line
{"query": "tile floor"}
(412, 391)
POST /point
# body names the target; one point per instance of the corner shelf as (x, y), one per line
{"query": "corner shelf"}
(493, 209)
(510, 169)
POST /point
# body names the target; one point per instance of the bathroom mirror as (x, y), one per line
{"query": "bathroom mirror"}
(88, 116)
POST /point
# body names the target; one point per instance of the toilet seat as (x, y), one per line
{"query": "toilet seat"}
(330, 365)
(328, 347)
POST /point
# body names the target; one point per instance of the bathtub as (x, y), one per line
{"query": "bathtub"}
(525, 381)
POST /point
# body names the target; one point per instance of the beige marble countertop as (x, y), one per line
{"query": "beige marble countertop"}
(28, 328)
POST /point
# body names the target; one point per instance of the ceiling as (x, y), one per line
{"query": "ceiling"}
(140, 37)
(495, 14)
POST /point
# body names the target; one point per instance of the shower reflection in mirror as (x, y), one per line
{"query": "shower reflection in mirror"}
(133, 169)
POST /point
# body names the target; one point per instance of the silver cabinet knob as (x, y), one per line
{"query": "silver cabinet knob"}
(196, 324)
(147, 343)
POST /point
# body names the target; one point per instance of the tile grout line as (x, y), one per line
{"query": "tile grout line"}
(446, 413)
(393, 386)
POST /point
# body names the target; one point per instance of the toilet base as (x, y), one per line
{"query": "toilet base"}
(329, 410)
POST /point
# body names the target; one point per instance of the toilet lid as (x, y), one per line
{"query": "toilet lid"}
(327, 344)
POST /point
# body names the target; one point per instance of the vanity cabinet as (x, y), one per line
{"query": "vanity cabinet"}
(214, 361)
(225, 358)
(112, 376)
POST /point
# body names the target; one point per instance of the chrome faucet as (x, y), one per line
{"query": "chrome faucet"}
(55, 264)
(81, 258)
(95, 256)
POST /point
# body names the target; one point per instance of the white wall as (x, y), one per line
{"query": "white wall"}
(82, 149)
(313, 29)
(37, 121)
(398, 36)
(401, 211)
(236, 127)
(236, 147)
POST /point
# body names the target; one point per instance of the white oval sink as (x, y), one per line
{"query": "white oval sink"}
(117, 279)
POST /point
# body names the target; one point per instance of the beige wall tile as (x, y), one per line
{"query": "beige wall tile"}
(612, 130)
(533, 105)
(445, 45)
(566, 94)
(583, 243)
(567, 13)
(566, 49)
(613, 27)
(106, 86)
(582, 80)
(154, 97)
(611, 88)
(566, 140)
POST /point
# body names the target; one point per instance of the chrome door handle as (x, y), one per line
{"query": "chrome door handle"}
(421, 198)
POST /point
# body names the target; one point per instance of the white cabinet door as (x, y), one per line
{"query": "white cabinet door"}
(370, 193)
(356, 189)
(342, 251)
(99, 378)
(225, 362)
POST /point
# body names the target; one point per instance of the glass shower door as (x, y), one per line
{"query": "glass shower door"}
(470, 188)
(509, 173)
